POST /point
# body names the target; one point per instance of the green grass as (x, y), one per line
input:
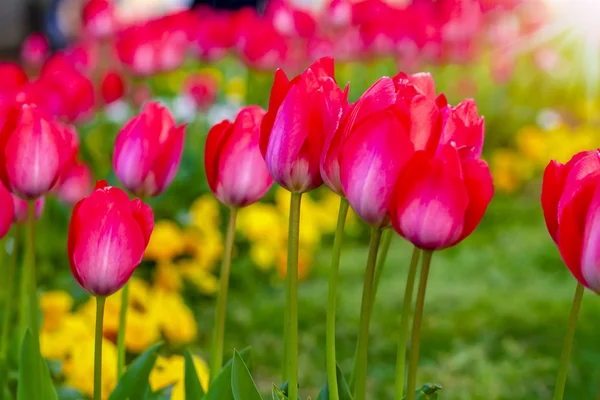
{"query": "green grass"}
(495, 316)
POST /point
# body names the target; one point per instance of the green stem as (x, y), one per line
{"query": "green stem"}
(413, 357)
(9, 295)
(561, 378)
(362, 353)
(292, 296)
(98, 349)
(121, 332)
(386, 240)
(404, 320)
(216, 358)
(332, 298)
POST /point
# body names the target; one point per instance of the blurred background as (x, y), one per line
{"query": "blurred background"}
(497, 304)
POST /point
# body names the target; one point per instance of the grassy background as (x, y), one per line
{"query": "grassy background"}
(495, 317)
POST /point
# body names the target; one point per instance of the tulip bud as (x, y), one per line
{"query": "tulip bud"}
(112, 87)
(236, 171)
(33, 152)
(22, 209)
(108, 234)
(571, 201)
(148, 151)
(439, 200)
(6, 211)
(35, 49)
(302, 113)
(76, 184)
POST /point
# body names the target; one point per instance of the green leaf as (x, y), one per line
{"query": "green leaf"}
(33, 367)
(160, 394)
(428, 391)
(193, 387)
(242, 384)
(277, 394)
(220, 387)
(133, 383)
(343, 389)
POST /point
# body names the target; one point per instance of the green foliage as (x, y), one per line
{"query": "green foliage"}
(134, 381)
(242, 384)
(34, 376)
(193, 388)
(221, 388)
(343, 389)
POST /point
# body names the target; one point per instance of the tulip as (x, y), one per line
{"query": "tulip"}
(99, 19)
(203, 89)
(302, 113)
(112, 87)
(22, 209)
(236, 172)
(33, 152)
(35, 49)
(13, 77)
(463, 126)
(7, 211)
(108, 234)
(148, 151)
(75, 184)
(439, 201)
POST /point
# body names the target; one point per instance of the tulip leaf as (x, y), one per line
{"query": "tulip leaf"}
(242, 384)
(132, 384)
(220, 387)
(193, 387)
(277, 394)
(343, 388)
(33, 367)
(159, 394)
(429, 391)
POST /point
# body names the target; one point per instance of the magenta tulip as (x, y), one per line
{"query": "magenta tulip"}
(302, 114)
(76, 184)
(148, 151)
(236, 171)
(108, 234)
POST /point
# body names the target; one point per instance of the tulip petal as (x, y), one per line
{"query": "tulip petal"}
(581, 168)
(165, 166)
(131, 161)
(6, 210)
(426, 121)
(144, 216)
(279, 90)
(424, 82)
(478, 181)
(216, 139)
(371, 160)
(552, 187)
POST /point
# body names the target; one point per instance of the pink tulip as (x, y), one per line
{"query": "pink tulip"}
(22, 209)
(35, 49)
(108, 235)
(463, 126)
(439, 200)
(302, 114)
(33, 152)
(7, 211)
(99, 19)
(203, 89)
(76, 184)
(236, 171)
(148, 151)
(13, 77)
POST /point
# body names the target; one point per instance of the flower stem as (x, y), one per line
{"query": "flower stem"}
(332, 299)
(216, 358)
(8, 305)
(121, 331)
(362, 350)
(98, 349)
(292, 296)
(386, 240)
(561, 378)
(413, 357)
(404, 320)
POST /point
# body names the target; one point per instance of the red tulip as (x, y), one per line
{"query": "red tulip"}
(35, 49)
(203, 89)
(302, 114)
(108, 235)
(13, 77)
(439, 200)
(21, 208)
(148, 151)
(236, 171)
(570, 199)
(462, 126)
(7, 211)
(99, 19)
(112, 87)
(76, 184)
(33, 152)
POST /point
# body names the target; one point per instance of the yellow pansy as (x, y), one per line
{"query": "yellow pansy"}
(170, 371)
(193, 271)
(54, 305)
(141, 330)
(174, 317)
(167, 277)
(235, 89)
(166, 242)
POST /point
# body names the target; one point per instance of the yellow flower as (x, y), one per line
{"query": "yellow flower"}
(167, 277)
(236, 89)
(204, 281)
(174, 317)
(261, 222)
(166, 242)
(55, 305)
(169, 371)
(112, 308)
(215, 72)
(204, 213)
(56, 344)
(263, 254)
(141, 330)
(79, 367)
